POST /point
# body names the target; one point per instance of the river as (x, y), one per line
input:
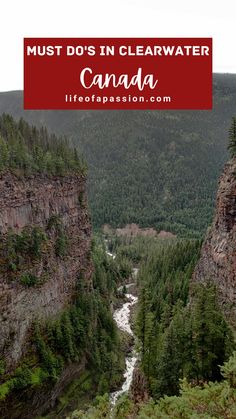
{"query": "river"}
(122, 319)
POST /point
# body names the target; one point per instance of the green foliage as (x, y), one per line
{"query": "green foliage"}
(38, 376)
(136, 249)
(101, 410)
(4, 154)
(24, 376)
(29, 279)
(125, 267)
(159, 169)
(20, 251)
(84, 330)
(50, 362)
(212, 339)
(61, 241)
(103, 385)
(81, 199)
(33, 150)
(54, 222)
(37, 239)
(123, 408)
(178, 339)
(155, 168)
(2, 366)
(232, 137)
(228, 370)
(210, 401)
(27, 244)
(5, 389)
(164, 277)
(61, 244)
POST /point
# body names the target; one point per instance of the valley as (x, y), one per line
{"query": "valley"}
(129, 312)
(154, 168)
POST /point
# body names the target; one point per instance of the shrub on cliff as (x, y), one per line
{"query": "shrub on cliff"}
(28, 279)
(232, 137)
(17, 249)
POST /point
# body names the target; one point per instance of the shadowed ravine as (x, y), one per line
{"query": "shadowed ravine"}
(122, 319)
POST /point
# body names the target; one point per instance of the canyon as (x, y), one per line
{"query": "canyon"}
(34, 201)
(217, 262)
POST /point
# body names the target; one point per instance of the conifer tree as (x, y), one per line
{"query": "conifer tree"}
(232, 137)
(212, 337)
(169, 364)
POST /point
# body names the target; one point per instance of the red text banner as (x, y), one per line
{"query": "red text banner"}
(117, 73)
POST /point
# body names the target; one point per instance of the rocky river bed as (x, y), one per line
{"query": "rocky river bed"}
(122, 317)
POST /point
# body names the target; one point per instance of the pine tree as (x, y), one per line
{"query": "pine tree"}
(169, 364)
(4, 154)
(212, 337)
(232, 137)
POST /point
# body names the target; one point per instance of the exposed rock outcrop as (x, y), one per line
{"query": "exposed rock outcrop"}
(218, 256)
(33, 201)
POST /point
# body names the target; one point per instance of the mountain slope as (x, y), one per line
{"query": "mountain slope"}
(154, 168)
(56, 285)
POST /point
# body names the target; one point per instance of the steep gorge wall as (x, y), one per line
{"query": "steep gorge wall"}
(218, 257)
(33, 201)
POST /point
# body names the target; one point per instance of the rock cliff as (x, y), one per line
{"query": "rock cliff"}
(57, 208)
(218, 256)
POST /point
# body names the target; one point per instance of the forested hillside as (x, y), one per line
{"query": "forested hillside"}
(187, 349)
(59, 344)
(211, 401)
(181, 333)
(153, 168)
(56, 284)
(28, 149)
(180, 337)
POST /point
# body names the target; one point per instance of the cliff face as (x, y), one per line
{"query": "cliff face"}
(218, 257)
(43, 203)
